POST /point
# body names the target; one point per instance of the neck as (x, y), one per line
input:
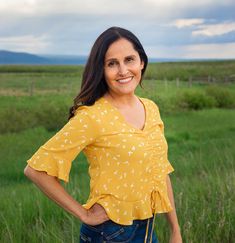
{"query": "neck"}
(122, 101)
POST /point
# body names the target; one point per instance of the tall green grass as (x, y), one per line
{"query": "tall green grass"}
(51, 110)
(200, 149)
(217, 71)
(200, 137)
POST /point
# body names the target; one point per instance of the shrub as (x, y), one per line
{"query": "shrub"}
(196, 100)
(167, 105)
(224, 98)
(51, 116)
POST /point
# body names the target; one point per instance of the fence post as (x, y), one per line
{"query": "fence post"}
(31, 88)
(190, 82)
(165, 83)
(177, 82)
(209, 79)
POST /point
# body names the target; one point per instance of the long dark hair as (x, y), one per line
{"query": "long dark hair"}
(93, 84)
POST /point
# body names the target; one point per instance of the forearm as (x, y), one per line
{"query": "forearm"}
(52, 188)
(171, 216)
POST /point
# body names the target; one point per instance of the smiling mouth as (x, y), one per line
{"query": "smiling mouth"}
(125, 80)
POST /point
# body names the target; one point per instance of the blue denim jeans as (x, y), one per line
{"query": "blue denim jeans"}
(111, 232)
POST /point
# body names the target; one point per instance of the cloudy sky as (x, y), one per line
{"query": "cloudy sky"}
(166, 28)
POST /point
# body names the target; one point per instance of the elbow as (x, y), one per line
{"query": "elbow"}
(30, 172)
(26, 171)
(35, 175)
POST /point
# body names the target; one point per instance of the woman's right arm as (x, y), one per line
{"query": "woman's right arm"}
(51, 187)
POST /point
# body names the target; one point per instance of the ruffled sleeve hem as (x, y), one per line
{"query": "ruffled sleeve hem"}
(50, 165)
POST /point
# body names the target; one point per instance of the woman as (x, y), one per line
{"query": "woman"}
(122, 137)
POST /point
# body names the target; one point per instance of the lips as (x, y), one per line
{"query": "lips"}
(125, 80)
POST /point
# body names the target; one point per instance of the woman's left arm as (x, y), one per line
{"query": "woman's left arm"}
(172, 216)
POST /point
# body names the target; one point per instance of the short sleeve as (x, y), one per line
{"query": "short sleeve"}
(168, 168)
(56, 155)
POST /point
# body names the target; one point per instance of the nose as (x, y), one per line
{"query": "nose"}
(122, 69)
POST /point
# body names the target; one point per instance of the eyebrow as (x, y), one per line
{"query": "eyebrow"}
(115, 59)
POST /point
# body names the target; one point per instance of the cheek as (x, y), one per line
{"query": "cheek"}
(109, 73)
(109, 78)
(137, 67)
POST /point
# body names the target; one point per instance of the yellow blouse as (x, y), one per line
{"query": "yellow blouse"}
(127, 166)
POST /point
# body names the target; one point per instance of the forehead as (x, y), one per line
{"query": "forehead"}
(120, 48)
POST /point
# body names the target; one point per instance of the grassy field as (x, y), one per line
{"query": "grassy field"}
(201, 149)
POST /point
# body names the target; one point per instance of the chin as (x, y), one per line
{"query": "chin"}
(127, 92)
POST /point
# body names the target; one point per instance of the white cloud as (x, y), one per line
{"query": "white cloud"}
(154, 8)
(181, 23)
(215, 51)
(73, 25)
(161, 51)
(24, 6)
(189, 3)
(225, 50)
(214, 29)
(26, 43)
(88, 7)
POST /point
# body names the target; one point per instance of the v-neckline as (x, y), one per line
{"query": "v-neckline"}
(124, 119)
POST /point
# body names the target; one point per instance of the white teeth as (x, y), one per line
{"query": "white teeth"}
(124, 80)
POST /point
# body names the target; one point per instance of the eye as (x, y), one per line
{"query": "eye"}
(129, 59)
(111, 63)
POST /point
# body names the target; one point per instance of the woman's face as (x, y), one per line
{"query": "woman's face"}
(122, 68)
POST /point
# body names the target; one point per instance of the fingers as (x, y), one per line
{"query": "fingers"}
(97, 208)
(98, 213)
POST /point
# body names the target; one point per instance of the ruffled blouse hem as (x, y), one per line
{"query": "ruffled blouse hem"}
(124, 212)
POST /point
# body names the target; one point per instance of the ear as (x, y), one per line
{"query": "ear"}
(142, 65)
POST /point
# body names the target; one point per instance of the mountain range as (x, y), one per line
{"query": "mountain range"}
(10, 57)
